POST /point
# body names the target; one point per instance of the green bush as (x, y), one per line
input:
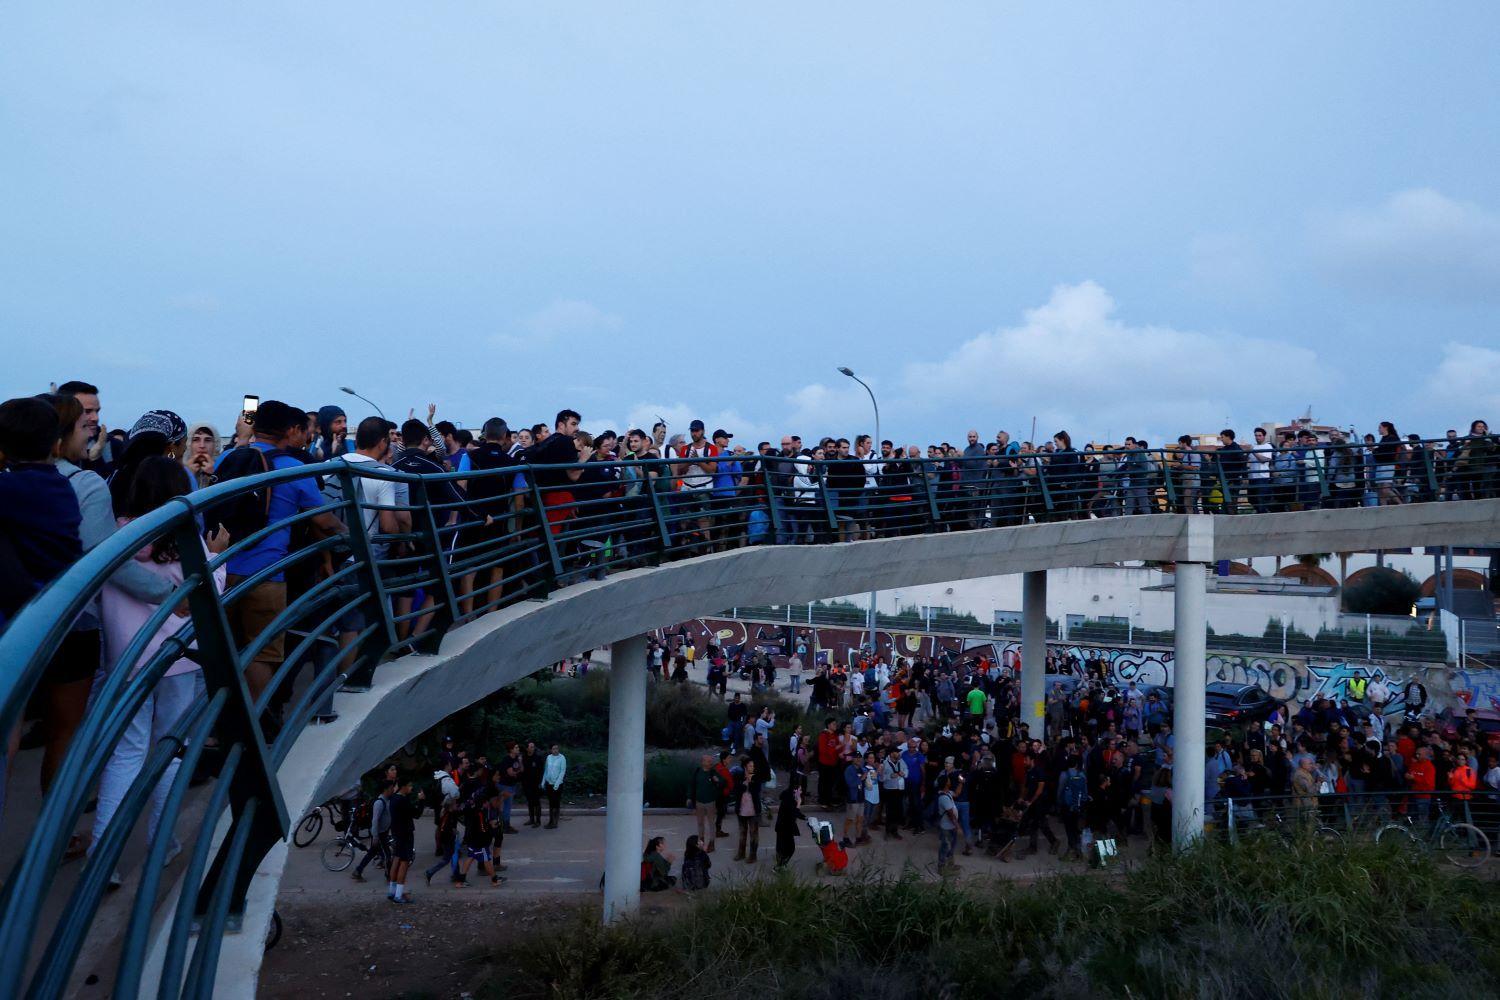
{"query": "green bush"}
(1382, 591)
(1259, 920)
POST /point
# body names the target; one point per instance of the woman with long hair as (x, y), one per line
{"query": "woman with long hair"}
(154, 482)
(157, 432)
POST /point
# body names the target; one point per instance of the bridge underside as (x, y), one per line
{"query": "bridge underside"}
(415, 692)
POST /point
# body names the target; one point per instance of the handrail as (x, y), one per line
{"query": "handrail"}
(536, 536)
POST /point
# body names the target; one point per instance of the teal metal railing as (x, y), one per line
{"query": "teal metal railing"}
(359, 595)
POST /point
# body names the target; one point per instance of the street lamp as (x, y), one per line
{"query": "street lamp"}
(345, 388)
(874, 450)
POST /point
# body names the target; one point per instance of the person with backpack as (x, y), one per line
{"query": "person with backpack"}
(380, 832)
(279, 428)
(404, 808)
(1072, 797)
(948, 826)
(787, 816)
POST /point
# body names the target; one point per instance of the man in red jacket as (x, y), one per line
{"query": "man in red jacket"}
(828, 764)
(1421, 776)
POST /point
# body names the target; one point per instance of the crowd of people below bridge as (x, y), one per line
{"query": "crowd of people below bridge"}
(920, 744)
(69, 483)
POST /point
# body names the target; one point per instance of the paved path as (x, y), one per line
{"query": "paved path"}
(570, 861)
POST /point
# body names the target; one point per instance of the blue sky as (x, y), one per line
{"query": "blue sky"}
(1118, 218)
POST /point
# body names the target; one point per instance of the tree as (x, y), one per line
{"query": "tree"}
(1382, 591)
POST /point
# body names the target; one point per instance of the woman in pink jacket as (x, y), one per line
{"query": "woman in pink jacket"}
(154, 483)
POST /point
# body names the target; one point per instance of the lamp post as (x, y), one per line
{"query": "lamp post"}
(874, 450)
(345, 388)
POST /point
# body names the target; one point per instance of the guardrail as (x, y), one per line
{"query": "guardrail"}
(1383, 637)
(358, 595)
(1462, 826)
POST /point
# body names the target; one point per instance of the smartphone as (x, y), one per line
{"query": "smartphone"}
(252, 403)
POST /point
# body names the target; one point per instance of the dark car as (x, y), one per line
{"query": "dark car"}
(1233, 704)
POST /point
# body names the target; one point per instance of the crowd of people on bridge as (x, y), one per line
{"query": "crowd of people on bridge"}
(69, 483)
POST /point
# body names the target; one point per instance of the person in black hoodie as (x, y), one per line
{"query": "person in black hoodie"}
(787, 817)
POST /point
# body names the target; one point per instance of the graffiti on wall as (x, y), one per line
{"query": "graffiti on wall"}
(1477, 688)
(1285, 678)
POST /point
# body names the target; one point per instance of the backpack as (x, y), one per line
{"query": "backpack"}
(247, 513)
(1075, 791)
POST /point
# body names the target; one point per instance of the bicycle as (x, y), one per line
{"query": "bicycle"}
(1289, 829)
(341, 852)
(1461, 844)
(339, 810)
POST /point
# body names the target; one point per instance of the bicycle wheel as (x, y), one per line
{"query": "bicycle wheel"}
(1396, 833)
(1328, 836)
(1464, 845)
(307, 831)
(338, 855)
(273, 932)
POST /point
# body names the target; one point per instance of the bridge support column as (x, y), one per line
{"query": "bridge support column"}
(1190, 678)
(1034, 650)
(623, 823)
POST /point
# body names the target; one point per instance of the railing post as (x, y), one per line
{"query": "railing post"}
(446, 609)
(1169, 479)
(1041, 478)
(809, 613)
(255, 780)
(1369, 640)
(773, 506)
(833, 521)
(932, 504)
(362, 669)
(1283, 636)
(663, 532)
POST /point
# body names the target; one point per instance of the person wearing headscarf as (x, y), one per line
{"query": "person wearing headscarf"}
(202, 453)
(157, 432)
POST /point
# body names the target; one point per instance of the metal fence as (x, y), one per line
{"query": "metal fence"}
(1370, 637)
(356, 592)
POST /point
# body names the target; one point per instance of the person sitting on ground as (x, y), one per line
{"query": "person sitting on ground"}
(695, 866)
(656, 867)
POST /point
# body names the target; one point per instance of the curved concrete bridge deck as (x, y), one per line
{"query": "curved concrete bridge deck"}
(415, 692)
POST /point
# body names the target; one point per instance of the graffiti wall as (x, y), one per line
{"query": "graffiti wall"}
(1286, 678)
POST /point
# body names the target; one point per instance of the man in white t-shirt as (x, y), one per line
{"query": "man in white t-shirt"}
(383, 509)
(1261, 454)
(694, 472)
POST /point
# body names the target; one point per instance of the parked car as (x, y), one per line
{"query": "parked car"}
(1235, 704)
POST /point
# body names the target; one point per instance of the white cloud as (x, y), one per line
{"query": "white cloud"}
(1470, 374)
(559, 318)
(1073, 364)
(1418, 244)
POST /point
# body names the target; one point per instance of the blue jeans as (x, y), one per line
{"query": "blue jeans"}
(796, 683)
(963, 819)
(505, 809)
(946, 841)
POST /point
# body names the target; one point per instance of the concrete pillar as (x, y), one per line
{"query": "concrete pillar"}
(1034, 650)
(623, 824)
(1190, 678)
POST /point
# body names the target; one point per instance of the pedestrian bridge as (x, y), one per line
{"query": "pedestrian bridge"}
(178, 926)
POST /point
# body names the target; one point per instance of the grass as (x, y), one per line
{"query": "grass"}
(1259, 920)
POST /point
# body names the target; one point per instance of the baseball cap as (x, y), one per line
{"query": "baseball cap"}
(696, 425)
(722, 433)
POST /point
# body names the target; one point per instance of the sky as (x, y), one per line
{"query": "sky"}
(1111, 218)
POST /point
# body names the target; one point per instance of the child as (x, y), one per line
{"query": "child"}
(695, 866)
